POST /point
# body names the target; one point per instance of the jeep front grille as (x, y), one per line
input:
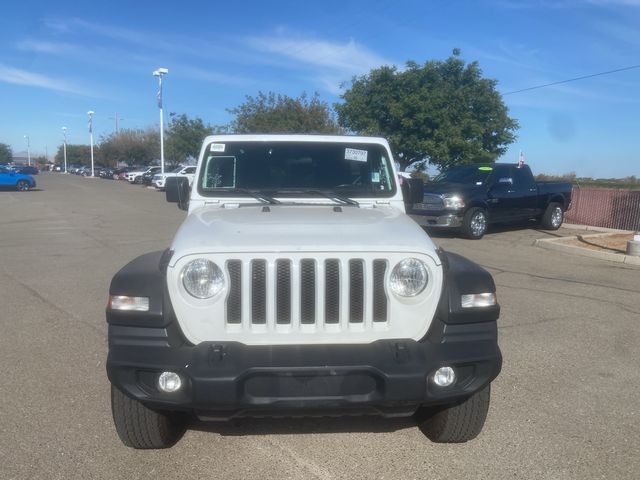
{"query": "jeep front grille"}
(306, 293)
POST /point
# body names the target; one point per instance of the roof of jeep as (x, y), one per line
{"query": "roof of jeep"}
(294, 138)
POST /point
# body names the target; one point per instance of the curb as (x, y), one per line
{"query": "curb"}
(576, 226)
(554, 244)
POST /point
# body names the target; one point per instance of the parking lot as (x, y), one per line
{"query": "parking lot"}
(565, 405)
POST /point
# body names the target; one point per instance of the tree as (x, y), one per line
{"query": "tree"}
(184, 137)
(78, 154)
(6, 154)
(275, 113)
(443, 112)
(134, 146)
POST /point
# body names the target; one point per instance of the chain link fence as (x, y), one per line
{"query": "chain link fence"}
(605, 207)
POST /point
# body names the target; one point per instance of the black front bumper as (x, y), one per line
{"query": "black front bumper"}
(227, 379)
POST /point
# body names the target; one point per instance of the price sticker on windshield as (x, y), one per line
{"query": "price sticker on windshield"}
(355, 154)
(217, 147)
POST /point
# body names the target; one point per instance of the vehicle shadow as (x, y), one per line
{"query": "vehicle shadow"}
(305, 425)
(13, 189)
(493, 229)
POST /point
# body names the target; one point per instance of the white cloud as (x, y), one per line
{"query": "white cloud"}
(18, 76)
(327, 64)
(38, 46)
(349, 56)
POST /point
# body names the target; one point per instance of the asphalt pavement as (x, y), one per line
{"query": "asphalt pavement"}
(566, 405)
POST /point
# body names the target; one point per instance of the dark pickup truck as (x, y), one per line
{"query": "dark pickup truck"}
(470, 197)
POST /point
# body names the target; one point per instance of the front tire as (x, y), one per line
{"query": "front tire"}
(140, 427)
(457, 423)
(23, 186)
(553, 216)
(474, 223)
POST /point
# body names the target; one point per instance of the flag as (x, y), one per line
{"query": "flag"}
(521, 160)
(90, 125)
(159, 97)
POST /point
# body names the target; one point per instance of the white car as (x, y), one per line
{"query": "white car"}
(160, 179)
(295, 286)
(136, 175)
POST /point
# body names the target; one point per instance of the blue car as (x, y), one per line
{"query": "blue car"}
(11, 179)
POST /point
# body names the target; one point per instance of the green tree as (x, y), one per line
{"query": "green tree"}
(443, 112)
(78, 154)
(134, 146)
(6, 154)
(184, 137)
(275, 113)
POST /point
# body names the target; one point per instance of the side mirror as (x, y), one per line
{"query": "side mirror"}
(416, 190)
(177, 191)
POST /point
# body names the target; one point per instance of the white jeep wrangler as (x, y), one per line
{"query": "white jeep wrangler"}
(298, 286)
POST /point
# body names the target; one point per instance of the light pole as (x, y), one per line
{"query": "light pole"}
(28, 149)
(64, 131)
(90, 113)
(159, 73)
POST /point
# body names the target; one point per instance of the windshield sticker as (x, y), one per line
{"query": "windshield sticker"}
(355, 154)
(217, 147)
(485, 169)
(375, 177)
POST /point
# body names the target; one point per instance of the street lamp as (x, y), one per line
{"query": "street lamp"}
(159, 73)
(90, 113)
(64, 131)
(28, 149)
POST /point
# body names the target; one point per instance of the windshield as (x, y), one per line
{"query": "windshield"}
(468, 174)
(295, 168)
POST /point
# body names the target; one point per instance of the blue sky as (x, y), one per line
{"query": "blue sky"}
(60, 59)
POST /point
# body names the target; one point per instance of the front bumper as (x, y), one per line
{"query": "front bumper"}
(222, 380)
(426, 218)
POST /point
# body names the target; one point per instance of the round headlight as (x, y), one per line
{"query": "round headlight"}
(409, 277)
(202, 278)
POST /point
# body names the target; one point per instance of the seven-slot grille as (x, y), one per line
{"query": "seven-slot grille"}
(298, 294)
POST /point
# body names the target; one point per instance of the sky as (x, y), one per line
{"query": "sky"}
(60, 59)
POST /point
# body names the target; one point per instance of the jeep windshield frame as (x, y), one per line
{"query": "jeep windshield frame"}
(297, 169)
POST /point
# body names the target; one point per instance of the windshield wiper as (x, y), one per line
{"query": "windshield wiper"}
(335, 197)
(257, 194)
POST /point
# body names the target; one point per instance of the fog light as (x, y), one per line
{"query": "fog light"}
(169, 382)
(444, 376)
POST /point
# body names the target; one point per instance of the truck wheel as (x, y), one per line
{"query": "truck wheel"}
(553, 216)
(474, 223)
(458, 423)
(140, 427)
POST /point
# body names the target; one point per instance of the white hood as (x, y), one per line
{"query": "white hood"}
(300, 228)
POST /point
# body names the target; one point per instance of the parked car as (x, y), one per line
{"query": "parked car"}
(27, 170)
(148, 175)
(189, 172)
(119, 173)
(9, 178)
(135, 176)
(471, 197)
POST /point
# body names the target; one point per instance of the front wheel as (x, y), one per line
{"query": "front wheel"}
(138, 426)
(553, 217)
(474, 223)
(457, 423)
(23, 185)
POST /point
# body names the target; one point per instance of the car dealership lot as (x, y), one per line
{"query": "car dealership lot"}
(565, 405)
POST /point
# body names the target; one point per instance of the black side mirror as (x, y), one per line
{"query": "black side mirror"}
(177, 191)
(416, 190)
